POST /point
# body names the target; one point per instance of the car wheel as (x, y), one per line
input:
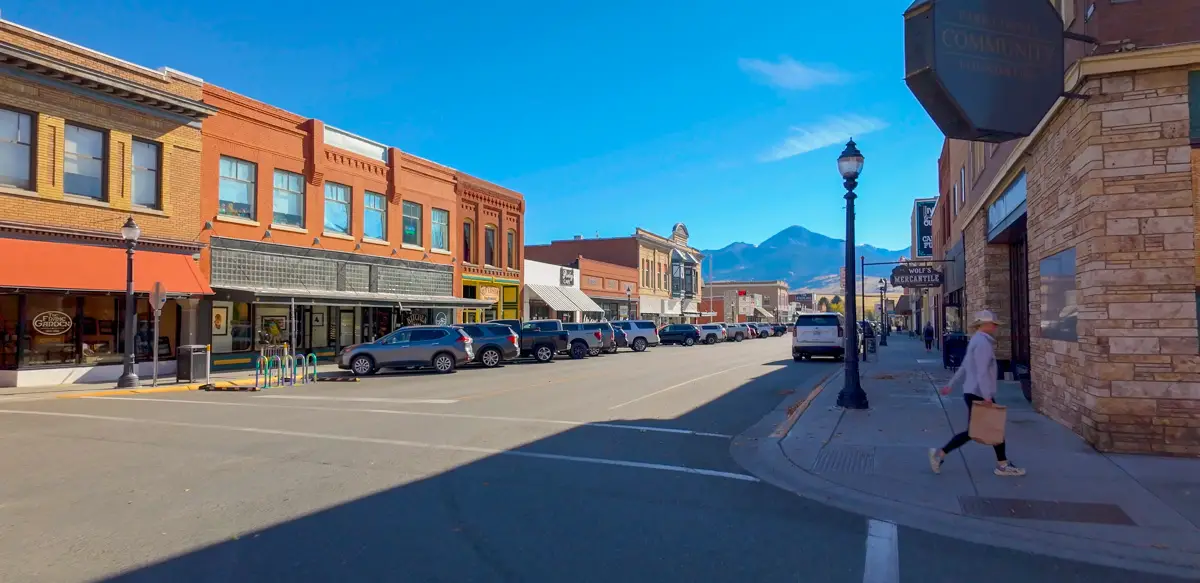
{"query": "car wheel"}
(613, 350)
(443, 363)
(593, 352)
(490, 358)
(797, 358)
(362, 365)
(579, 350)
(689, 341)
(710, 339)
(739, 337)
(639, 344)
(543, 353)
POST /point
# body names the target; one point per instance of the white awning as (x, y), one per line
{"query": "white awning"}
(553, 296)
(763, 313)
(649, 305)
(580, 299)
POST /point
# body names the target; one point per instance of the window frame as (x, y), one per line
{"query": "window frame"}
(468, 243)
(32, 146)
(349, 202)
(510, 248)
(383, 211)
(493, 230)
(303, 194)
(158, 174)
(104, 140)
(433, 223)
(253, 187)
(404, 217)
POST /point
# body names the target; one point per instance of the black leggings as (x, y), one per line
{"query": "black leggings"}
(928, 343)
(962, 438)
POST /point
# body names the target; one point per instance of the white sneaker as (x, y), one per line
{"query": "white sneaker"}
(1009, 470)
(935, 462)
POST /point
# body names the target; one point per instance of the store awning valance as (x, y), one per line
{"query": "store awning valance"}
(553, 296)
(442, 302)
(316, 297)
(580, 299)
(46, 265)
(903, 306)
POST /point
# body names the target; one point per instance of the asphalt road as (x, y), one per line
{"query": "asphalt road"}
(614, 468)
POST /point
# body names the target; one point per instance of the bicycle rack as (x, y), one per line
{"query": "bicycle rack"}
(311, 358)
(287, 364)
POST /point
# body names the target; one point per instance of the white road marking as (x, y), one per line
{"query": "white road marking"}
(883, 553)
(425, 414)
(687, 382)
(363, 399)
(400, 443)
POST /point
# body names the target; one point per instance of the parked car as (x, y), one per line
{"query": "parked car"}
(641, 333)
(713, 333)
(493, 343)
(737, 331)
(579, 342)
(443, 348)
(818, 335)
(762, 330)
(540, 345)
(608, 341)
(780, 329)
(684, 334)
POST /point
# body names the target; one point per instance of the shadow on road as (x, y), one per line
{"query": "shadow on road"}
(554, 510)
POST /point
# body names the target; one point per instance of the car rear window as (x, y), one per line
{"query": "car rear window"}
(623, 325)
(645, 325)
(423, 335)
(572, 326)
(498, 330)
(816, 320)
(473, 331)
(711, 327)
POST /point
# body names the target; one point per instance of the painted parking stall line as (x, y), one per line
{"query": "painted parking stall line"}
(882, 562)
(684, 383)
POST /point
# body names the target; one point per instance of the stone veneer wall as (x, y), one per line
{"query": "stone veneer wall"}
(988, 284)
(1112, 176)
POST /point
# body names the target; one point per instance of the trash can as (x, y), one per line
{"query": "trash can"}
(954, 348)
(192, 363)
(1022, 373)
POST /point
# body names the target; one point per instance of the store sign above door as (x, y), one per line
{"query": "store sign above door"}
(917, 276)
(984, 70)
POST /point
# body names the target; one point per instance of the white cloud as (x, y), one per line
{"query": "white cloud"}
(790, 74)
(832, 131)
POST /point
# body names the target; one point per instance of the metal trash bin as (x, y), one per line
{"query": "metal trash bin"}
(192, 363)
(1021, 371)
(954, 348)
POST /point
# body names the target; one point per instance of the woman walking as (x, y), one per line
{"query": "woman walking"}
(978, 378)
(928, 333)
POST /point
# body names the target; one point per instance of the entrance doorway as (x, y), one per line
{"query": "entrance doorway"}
(1018, 264)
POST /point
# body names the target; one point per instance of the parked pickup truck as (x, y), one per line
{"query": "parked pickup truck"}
(536, 342)
(579, 342)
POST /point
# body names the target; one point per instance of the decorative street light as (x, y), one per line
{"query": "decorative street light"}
(130, 232)
(884, 322)
(852, 396)
(629, 302)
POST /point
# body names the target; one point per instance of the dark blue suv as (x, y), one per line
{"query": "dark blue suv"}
(685, 334)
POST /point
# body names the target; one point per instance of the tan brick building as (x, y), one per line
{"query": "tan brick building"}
(1083, 235)
(89, 141)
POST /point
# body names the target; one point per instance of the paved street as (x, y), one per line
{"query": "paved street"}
(614, 468)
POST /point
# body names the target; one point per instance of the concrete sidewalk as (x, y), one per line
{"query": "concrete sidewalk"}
(1136, 512)
(224, 379)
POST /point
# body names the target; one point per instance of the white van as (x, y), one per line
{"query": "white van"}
(819, 335)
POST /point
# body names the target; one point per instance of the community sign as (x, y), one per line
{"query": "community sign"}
(984, 70)
(917, 276)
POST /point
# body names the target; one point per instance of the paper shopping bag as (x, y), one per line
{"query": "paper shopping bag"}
(987, 422)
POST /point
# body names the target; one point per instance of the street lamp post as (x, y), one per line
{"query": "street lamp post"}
(629, 302)
(852, 396)
(884, 322)
(130, 232)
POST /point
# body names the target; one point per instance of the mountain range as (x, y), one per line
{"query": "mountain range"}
(808, 261)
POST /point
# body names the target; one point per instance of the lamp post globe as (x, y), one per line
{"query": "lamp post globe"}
(130, 232)
(852, 396)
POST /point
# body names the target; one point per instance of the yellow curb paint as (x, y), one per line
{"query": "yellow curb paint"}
(170, 389)
(799, 408)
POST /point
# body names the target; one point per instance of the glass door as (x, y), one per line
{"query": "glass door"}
(345, 328)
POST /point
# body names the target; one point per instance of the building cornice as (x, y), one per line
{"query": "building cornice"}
(85, 236)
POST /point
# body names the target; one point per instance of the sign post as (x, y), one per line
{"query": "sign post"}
(158, 298)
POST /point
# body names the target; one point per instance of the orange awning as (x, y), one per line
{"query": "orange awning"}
(77, 267)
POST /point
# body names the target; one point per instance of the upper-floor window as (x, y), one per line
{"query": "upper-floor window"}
(236, 197)
(962, 181)
(489, 245)
(337, 208)
(83, 166)
(146, 178)
(954, 196)
(288, 205)
(439, 229)
(412, 223)
(510, 245)
(16, 139)
(375, 216)
(468, 236)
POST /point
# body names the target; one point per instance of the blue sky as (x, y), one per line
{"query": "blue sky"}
(607, 116)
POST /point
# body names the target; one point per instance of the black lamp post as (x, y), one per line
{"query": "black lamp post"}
(130, 232)
(629, 303)
(884, 322)
(852, 396)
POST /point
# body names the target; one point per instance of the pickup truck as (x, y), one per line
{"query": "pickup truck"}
(536, 343)
(579, 342)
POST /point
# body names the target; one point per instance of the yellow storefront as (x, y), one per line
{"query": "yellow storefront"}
(504, 293)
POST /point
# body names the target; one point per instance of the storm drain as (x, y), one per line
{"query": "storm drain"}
(845, 460)
(1085, 512)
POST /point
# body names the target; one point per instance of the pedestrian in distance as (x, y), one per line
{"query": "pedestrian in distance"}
(928, 333)
(978, 378)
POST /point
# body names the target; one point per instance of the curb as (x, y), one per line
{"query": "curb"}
(234, 383)
(759, 452)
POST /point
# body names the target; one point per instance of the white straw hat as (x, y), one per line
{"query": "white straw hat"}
(984, 317)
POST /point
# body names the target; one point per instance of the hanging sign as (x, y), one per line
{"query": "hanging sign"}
(916, 276)
(924, 246)
(984, 70)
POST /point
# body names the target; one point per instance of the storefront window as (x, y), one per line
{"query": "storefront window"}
(8, 331)
(51, 333)
(241, 327)
(100, 330)
(168, 326)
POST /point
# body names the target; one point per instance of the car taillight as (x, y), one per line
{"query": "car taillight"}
(513, 339)
(793, 331)
(598, 336)
(463, 340)
(839, 331)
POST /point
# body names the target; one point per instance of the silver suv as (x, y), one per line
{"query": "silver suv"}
(640, 333)
(737, 331)
(442, 348)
